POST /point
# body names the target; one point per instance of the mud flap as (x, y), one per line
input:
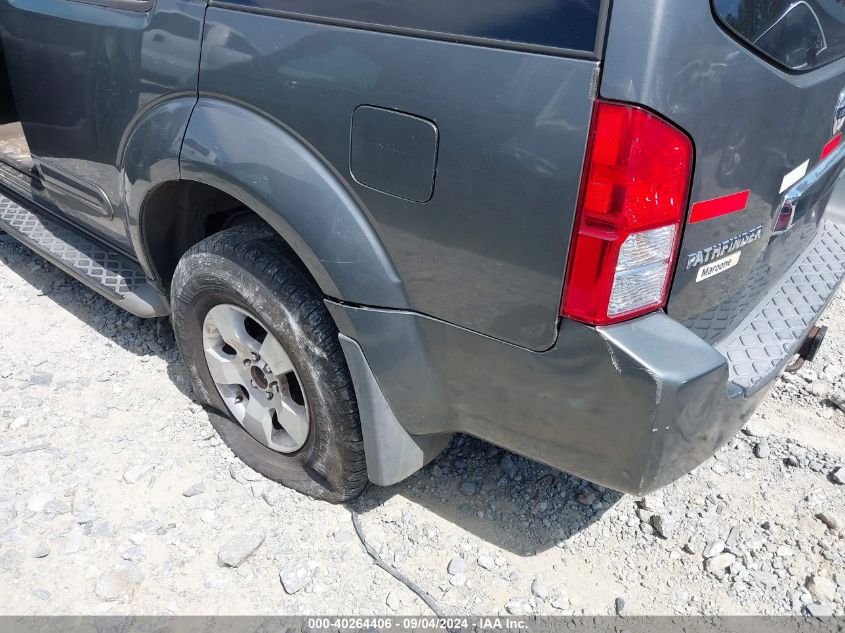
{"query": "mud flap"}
(392, 454)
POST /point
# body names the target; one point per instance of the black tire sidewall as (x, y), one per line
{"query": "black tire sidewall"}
(204, 280)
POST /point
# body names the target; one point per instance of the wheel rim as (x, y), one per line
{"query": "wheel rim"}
(256, 378)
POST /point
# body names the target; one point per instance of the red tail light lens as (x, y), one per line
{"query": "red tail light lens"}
(633, 201)
(784, 219)
(831, 146)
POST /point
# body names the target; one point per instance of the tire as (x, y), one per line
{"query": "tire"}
(250, 268)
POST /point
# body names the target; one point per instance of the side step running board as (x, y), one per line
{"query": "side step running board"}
(113, 275)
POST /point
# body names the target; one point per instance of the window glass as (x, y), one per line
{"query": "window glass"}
(798, 34)
(570, 24)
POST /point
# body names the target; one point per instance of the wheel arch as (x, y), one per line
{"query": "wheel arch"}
(285, 182)
(148, 159)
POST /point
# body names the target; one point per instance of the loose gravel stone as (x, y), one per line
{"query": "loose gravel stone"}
(663, 525)
(762, 450)
(836, 400)
(193, 491)
(652, 503)
(508, 466)
(235, 551)
(719, 563)
(41, 552)
(819, 610)
(458, 580)
(539, 589)
(518, 606)
(756, 428)
(831, 520)
(457, 566)
(87, 514)
(42, 594)
(119, 583)
(20, 422)
(713, 548)
(561, 603)
(766, 579)
(822, 589)
(586, 498)
(838, 475)
(136, 473)
(296, 574)
(272, 494)
(38, 502)
(343, 536)
(40, 379)
(216, 581)
(136, 553)
(833, 372)
(819, 388)
(486, 562)
(731, 540)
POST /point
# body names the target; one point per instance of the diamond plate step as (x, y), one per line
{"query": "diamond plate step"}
(111, 274)
(773, 332)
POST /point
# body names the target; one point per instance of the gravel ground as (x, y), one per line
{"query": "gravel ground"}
(117, 497)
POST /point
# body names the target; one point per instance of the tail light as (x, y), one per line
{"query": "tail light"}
(784, 220)
(633, 201)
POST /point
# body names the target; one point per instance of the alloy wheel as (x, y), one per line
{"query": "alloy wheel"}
(255, 378)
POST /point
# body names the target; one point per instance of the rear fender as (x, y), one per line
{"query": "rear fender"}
(265, 166)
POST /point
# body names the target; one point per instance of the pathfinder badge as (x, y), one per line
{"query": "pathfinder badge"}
(726, 247)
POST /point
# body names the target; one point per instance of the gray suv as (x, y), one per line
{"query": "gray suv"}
(593, 233)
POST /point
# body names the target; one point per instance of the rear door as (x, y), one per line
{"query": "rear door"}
(758, 85)
(81, 73)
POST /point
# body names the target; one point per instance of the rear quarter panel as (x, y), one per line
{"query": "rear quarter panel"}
(488, 250)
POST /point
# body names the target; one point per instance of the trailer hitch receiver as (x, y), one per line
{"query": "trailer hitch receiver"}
(808, 348)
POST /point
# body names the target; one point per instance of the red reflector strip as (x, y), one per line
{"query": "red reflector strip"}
(832, 144)
(710, 209)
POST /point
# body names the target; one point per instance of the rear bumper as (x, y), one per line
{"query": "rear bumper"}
(775, 329)
(631, 406)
